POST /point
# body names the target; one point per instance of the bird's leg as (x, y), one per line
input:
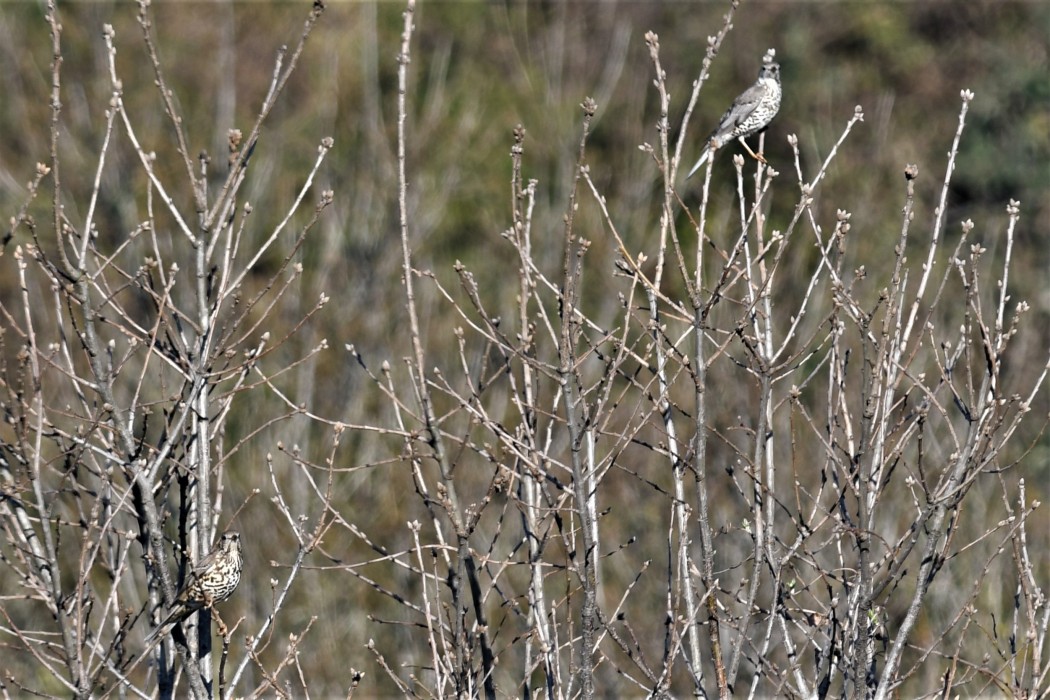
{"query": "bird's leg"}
(222, 629)
(757, 156)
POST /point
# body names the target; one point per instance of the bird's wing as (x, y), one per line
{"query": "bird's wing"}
(742, 107)
(206, 563)
(202, 566)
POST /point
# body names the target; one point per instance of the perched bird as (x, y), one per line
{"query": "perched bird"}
(749, 114)
(212, 581)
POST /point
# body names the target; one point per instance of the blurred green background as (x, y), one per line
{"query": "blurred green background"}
(479, 69)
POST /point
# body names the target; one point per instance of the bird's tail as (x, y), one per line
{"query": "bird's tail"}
(152, 636)
(165, 626)
(703, 159)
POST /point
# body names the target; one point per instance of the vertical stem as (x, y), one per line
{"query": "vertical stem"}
(465, 565)
(580, 431)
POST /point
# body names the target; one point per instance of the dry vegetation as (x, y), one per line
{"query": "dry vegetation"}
(575, 436)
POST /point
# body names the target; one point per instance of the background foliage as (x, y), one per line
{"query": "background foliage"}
(477, 71)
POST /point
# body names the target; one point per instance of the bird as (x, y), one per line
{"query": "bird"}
(749, 114)
(212, 581)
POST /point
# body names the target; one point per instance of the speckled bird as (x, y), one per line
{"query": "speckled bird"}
(749, 114)
(212, 581)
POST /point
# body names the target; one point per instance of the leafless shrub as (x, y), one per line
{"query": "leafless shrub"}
(873, 408)
(126, 352)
